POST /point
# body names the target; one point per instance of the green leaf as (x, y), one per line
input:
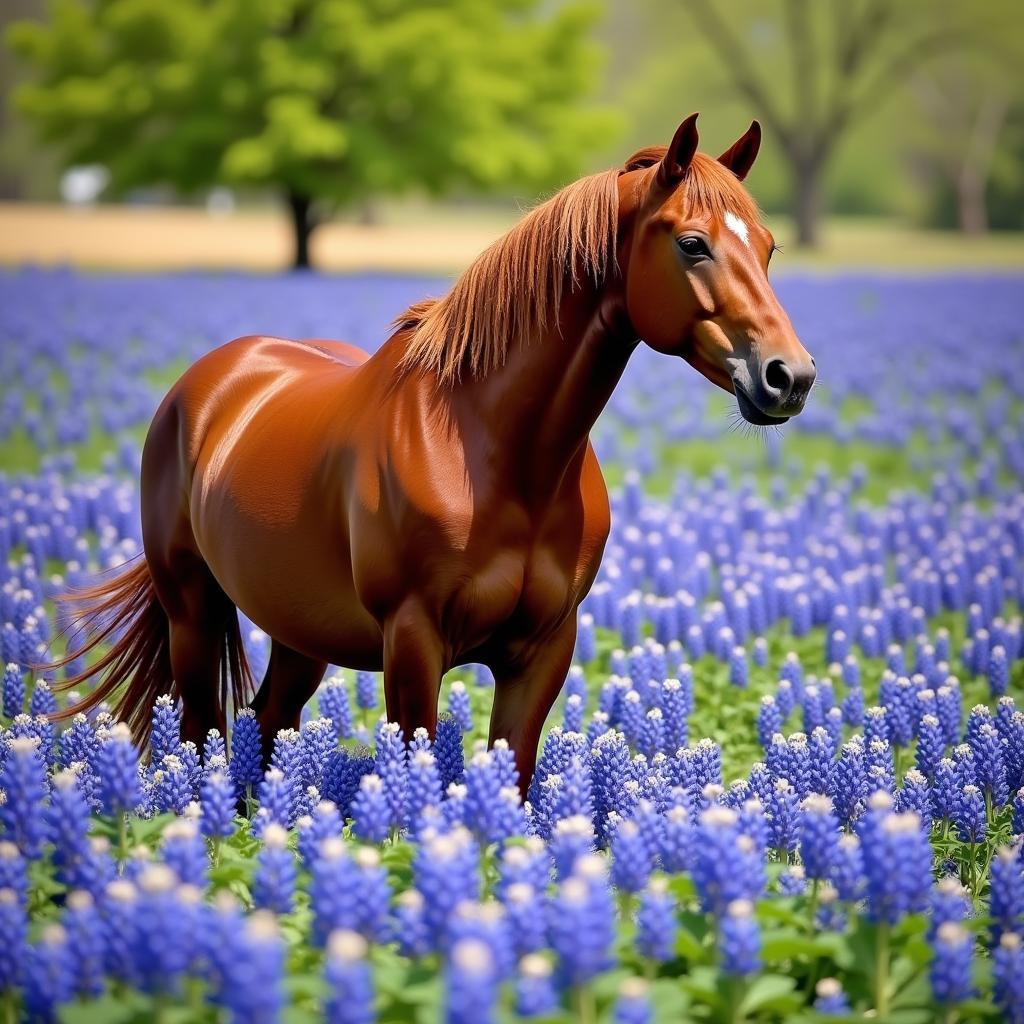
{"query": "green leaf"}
(768, 991)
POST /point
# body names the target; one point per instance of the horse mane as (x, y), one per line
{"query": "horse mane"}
(513, 290)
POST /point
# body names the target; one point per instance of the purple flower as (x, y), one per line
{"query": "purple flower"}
(471, 983)
(1006, 892)
(13, 690)
(459, 707)
(166, 937)
(739, 940)
(214, 746)
(171, 789)
(217, 803)
(931, 745)
(49, 978)
(184, 852)
(889, 839)
(819, 836)
(78, 743)
(633, 1005)
(253, 988)
(13, 939)
(85, 943)
(277, 799)
(273, 886)
(783, 816)
(950, 972)
(535, 994)
(656, 922)
(581, 923)
(366, 690)
(121, 922)
(165, 737)
(246, 751)
(632, 860)
(67, 823)
(830, 999)
(728, 864)
(410, 929)
(1008, 977)
(333, 703)
(914, 795)
(350, 984)
(524, 914)
(448, 751)
(446, 872)
(969, 815)
(23, 781)
(371, 815)
(949, 903)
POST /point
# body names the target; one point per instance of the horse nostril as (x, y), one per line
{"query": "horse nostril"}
(778, 378)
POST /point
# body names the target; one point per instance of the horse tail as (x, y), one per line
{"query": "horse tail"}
(124, 612)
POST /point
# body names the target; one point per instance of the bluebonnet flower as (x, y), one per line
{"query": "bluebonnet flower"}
(214, 746)
(848, 868)
(633, 1004)
(273, 885)
(333, 702)
(217, 801)
(13, 939)
(609, 764)
(529, 863)
(931, 745)
(485, 922)
(253, 990)
(990, 771)
(23, 781)
(793, 881)
(950, 971)
(586, 639)
(318, 739)
(581, 925)
(760, 654)
(1006, 892)
(949, 705)
(727, 864)
(171, 790)
(277, 799)
(1017, 822)
(13, 690)
(424, 786)
(446, 871)
(949, 903)
(350, 984)
(945, 789)
(78, 743)
(656, 922)
(535, 993)
(373, 894)
(524, 914)
(324, 822)
(390, 768)
(769, 720)
(998, 672)
(830, 999)
(184, 852)
(366, 690)
(675, 709)
(969, 815)
(165, 944)
(370, 811)
(67, 823)
(1008, 977)
(43, 702)
(448, 751)
(49, 974)
(819, 836)
(739, 939)
(572, 720)
(471, 984)
(96, 869)
(453, 810)
(165, 737)
(505, 763)
(333, 891)
(85, 942)
(914, 795)
(821, 749)
(342, 774)
(410, 930)
(459, 706)
(632, 860)
(739, 668)
(246, 761)
(881, 772)
(631, 716)
(896, 839)
(875, 724)
(598, 726)
(783, 816)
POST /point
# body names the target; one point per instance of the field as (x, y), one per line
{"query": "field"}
(783, 781)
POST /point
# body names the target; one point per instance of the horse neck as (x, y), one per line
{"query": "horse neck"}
(540, 405)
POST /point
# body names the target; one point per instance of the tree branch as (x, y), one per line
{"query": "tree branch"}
(804, 77)
(740, 67)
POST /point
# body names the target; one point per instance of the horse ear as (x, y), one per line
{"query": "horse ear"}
(740, 156)
(680, 153)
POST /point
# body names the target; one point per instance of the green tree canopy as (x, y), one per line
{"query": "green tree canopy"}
(321, 100)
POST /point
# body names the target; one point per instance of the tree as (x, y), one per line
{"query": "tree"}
(845, 57)
(327, 102)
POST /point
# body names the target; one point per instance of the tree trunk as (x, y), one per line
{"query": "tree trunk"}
(807, 200)
(970, 201)
(302, 227)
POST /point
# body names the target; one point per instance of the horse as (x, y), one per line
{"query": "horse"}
(439, 502)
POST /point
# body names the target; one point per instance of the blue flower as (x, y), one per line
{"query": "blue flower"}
(214, 746)
(121, 922)
(446, 872)
(819, 836)
(739, 669)
(769, 720)
(253, 988)
(524, 914)
(572, 720)
(571, 838)
(246, 751)
(529, 863)
(371, 815)
(728, 864)
(217, 803)
(830, 999)
(950, 972)
(656, 922)
(325, 822)
(410, 929)
(13, 690)
(366, 690)
(78, 743)
(184, 852)
(793, 881)
(1006, 892)
(931, 745)
(632, 858)
(165, 737)
(471, 984)
(318, 739)
(350, 984)
(67, 823)
(915, 795)
(739, 940)
(13, 939)
(49, 978)
(969, 815)
(23, 781)
(998, 671)
(633, 1004)
(535, 993)
(448, 750)
(171, 789)
(333, 703)
(273, 886)
(989, 767)
(889, 839)
(581, 923)
(1008, 977)
(783, 816)
(85, 942)
(277, 799)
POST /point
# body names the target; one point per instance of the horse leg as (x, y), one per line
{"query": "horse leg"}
(413, 654)
(290, 680)
(524, 691)
(198, 611)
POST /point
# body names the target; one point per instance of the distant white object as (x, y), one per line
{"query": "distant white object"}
(81, 186)
(220, 201)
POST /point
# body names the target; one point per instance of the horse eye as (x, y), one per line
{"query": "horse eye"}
(693, 246)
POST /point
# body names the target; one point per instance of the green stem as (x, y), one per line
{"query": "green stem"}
(215, 855)
(122, 836)
(10, 1007)
(950, 1016)
(583, 999)
(737, 990)
(882, 969)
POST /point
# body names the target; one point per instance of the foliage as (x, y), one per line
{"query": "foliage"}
(335, 100)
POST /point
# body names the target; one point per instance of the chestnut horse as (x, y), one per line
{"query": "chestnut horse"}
(439, 502)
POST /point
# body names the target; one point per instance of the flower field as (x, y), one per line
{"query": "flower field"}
(785, 779)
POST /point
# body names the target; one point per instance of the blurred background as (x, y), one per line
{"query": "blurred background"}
(401, 135)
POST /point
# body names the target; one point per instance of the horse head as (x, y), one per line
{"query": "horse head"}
(696, 274)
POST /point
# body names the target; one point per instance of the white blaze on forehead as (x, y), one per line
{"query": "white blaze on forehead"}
(737, 227)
